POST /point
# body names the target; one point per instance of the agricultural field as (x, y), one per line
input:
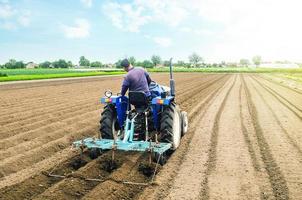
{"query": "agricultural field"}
(244, 141)
(33, 74)
(40, 73)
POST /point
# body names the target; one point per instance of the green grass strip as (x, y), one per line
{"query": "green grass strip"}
(50, 76)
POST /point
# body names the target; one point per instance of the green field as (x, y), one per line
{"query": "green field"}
(32, 74)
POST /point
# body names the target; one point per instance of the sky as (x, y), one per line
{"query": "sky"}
(103, 30)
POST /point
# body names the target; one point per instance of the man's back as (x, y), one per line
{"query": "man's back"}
(136, 80)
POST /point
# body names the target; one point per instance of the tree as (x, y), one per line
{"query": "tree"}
(257, 60)
(132, 60)
(19, 65)
(147, 64)
(45, 64)
(156, 60)
(166, 63)
(118, 64)
(11, 64)
(69, 64)
(61, 63)
(195, 59)
(244, 62)
(181, 63)
(96, 64)
(84, 61)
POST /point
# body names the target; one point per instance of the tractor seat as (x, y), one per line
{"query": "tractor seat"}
(139, 100)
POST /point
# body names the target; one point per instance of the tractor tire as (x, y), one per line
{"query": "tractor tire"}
(184, 123)
(108, 123)
(170, 125)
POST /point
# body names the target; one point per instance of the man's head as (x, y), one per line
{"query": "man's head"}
(126, 64)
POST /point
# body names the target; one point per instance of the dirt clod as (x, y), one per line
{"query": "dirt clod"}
(110, 165)
(76, 164)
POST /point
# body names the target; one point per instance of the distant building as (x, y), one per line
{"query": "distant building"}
(31, 65)
(109, 65)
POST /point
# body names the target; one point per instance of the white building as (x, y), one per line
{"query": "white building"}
(31, 65)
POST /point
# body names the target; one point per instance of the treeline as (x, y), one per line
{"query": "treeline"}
(195, 61)
(13, 64)
(156, 61)
(61, 63)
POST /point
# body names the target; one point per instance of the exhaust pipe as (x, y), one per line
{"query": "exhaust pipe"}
(172, 83)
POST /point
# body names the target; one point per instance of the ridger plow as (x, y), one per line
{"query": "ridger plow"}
(139, 123)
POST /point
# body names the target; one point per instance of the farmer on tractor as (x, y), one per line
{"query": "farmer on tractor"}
(155, 124)
(136, 79)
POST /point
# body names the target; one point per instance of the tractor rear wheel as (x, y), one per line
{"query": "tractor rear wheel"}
(108, 123)
(170, 125)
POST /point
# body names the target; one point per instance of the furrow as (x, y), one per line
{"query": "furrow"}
(211, 162)
(277, 180)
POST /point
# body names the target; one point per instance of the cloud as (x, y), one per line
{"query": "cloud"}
(6, 11)
(87, 3)
(162, 41)
(204, 32)
(81, 29)
(12, 18)
(269, 28)
(126, 17)
(24, 18)
(186, 29)
(168, 12)
(132, 16)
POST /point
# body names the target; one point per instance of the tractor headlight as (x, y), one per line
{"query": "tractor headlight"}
(108, 94)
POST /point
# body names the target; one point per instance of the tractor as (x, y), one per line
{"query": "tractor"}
(139, 123)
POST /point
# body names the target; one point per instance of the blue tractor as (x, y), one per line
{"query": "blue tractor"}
(140, 123)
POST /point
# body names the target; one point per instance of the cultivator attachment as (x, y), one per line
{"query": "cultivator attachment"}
(125, 143)
(155, 150)
(109, 144)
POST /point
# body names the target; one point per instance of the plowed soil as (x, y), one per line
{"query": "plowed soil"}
(244, 141)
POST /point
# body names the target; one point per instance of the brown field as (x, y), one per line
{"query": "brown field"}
(244, 141)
